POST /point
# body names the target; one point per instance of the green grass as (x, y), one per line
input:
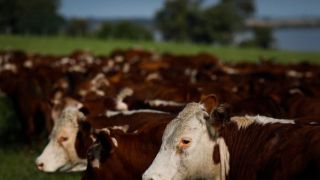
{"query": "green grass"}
(60, 45)
(18, 163)
(16, 157)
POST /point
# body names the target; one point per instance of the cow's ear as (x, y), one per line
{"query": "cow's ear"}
(210, 102)
(81, 117)
(84, 110)
(108, 143)
(219, 117)
(221, 114)
(85, 127)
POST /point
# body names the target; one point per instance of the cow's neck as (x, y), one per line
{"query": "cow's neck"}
(249, 146)
(223, 156)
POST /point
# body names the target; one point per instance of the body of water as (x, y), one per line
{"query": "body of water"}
(291, 39)
(298, 39)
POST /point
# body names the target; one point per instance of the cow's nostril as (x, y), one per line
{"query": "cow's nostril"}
(40, 166)
(150, 178)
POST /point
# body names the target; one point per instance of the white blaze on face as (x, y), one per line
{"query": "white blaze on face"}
(186, 150)
(61, 103)
(60, 154)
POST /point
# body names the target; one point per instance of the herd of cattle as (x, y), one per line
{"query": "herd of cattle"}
(138, 114)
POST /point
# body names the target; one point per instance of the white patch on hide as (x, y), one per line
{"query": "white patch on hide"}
(153, 76)
(123, 128)
(294, 74)
(224, 158)
(110, 113)
(28, 64)
(159, 102)
(114, 141)
(246, 121)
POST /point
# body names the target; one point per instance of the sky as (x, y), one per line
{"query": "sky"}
(147, 8)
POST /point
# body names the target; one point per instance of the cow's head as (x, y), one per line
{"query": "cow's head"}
(101, 156)
(188, 146)
(60, 154)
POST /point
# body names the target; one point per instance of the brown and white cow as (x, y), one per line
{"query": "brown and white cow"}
(196, 145)
(124, 156)
(73, 133)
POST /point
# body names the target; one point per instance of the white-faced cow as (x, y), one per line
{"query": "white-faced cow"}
(201, 144)
(73, 133)
(60, 154)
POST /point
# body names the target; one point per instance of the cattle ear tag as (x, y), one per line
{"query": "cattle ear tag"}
(210, 102)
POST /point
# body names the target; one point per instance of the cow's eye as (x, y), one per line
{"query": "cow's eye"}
(63, 139)
(184, 143)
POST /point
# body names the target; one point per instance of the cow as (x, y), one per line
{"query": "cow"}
(124, 156)
(200, 143)
(73, 134)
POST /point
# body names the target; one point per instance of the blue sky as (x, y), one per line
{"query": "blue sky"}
(147, 8)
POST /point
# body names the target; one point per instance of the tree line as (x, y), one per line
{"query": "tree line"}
(41, 17)
(178, 20)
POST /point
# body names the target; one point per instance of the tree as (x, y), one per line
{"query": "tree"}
(263, 37)
(172, 19)
(132, 31)
(222, 21)
(30, 17)
(189, 20)
(106, 30)
(246, 8)
(77, 27)
(7, 16)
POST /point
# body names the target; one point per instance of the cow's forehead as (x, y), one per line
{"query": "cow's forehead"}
(68, 119)
(190, 110)
(184, 122)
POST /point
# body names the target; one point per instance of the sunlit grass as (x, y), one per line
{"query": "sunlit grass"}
(60, 45)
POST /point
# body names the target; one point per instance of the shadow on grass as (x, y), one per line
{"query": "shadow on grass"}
(17, 157)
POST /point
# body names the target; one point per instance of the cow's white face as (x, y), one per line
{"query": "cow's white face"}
(60, 154)
(186, 150)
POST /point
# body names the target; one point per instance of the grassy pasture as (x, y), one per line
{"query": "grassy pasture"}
(60, 45)
(17, 158)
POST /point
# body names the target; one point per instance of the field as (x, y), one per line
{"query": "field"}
(17, 159)
(64, 45)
